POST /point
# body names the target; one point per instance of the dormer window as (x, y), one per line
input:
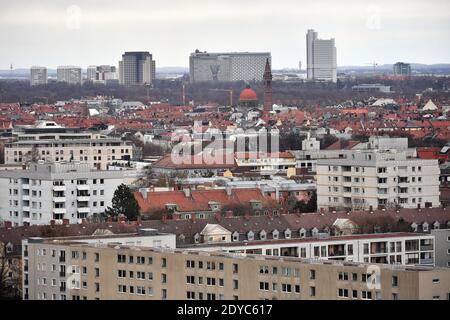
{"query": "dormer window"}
(287, 233)
(275, 234)
(250, 236)
(196, 238)
(235, 236)
(302, 233)
(263, 235)
(425, 227)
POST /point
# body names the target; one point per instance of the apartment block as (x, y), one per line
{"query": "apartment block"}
(47, 192)
(60, 270)
(69, 74)
(48, 141)
(38, 76)
(442, 248)
(371, 179)
(389, 248)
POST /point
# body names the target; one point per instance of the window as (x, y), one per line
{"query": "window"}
(150, 276)
(190, 295)
(342, 276)
(264, 286)
(394, 281)
(297, 288)
(343, 293)
(312, 274)
(210, 281)
(312, 291)
(140, 260)
(355, 294)
(354, 277)
(163, 263)
(366, 295)
(140, 290)
(235, 284)
(286, 287)
(140, 275)
(122, 288)
(121, 258)
(235, 268)
(190, 279)
(190, 264)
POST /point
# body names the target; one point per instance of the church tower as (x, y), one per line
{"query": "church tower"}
(267, 88)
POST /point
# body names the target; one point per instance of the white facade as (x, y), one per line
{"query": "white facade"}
(232, 66)
(69, 74)
(55, 191)
(38, 76)
(366, 180)
(50, 142)
(321, 58)
(395, 248)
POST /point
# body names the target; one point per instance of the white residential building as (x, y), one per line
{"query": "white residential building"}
(51, 142)
(69, 74)
(55, 191)
(370, 179)
(321, 58)
(390, 248)
(38, 76)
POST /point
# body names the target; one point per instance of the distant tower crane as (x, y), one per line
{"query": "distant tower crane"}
(374, 65)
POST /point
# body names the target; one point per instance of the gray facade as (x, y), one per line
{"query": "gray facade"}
(136, 68)
(235, 66)
(442, 247)
(402, 69)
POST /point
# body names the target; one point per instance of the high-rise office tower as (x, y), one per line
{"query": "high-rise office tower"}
(69, 74)
(402, 69)
(38, 75)
(321, 58)
(136, 68)
(234, 66)
(91, 73)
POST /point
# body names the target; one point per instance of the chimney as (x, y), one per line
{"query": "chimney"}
(65, 221)
(218, 216)
(228, 189)
(193, 217)
(143, 192)
(52, 222)
(7, 224)
(229, 213)
(164, 218)
(187, 192)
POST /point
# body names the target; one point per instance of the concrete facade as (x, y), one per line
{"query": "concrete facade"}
(55, 191)
(366, 180)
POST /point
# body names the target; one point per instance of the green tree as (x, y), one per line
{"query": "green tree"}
(123, 202)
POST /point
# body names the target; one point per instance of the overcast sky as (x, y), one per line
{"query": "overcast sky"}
(51, 33)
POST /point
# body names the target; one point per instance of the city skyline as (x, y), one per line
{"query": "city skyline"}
(359, 27)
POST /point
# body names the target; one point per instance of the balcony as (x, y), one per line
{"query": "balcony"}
(427, 261)
(62, 259)
(426, 247)
(62, 274)
(26, 186)
(62, 289)
(59, 210)
(59, 188)
(26, 197)
(84, 210)
(82, 187)
(26, 208)
(59, 199)
(83, 198)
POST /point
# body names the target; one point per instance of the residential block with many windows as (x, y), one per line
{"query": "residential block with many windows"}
(367, 180)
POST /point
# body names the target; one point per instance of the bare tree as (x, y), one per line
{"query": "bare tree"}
(9, 274)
